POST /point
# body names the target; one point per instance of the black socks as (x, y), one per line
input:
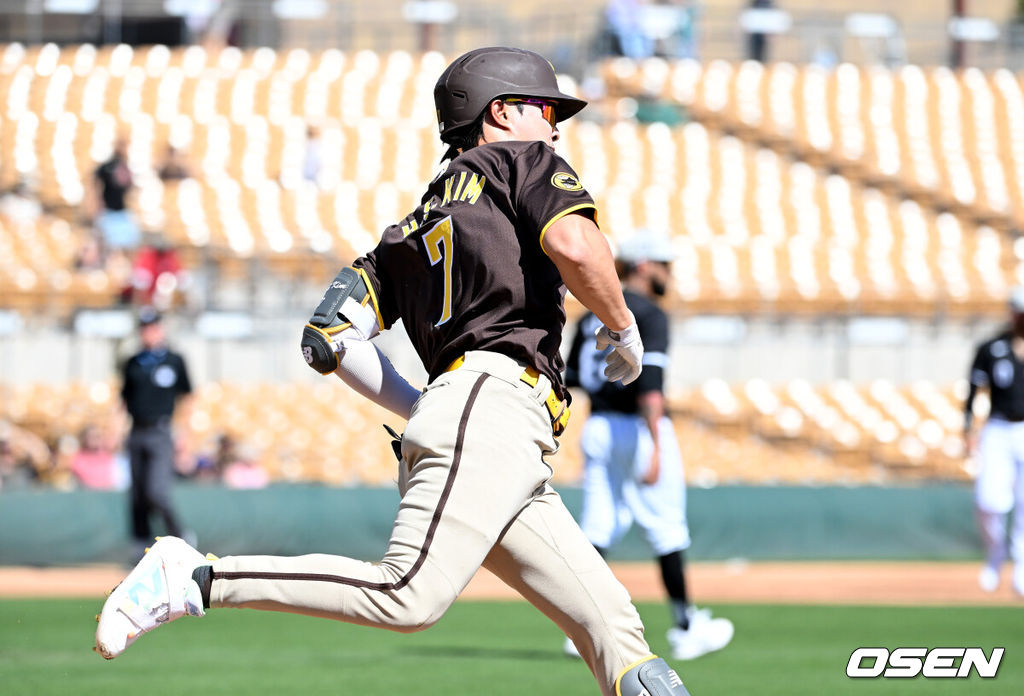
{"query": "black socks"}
(674, 578)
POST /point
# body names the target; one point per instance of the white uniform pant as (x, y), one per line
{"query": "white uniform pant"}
(474, 492)
(999, 489)
(617, 450)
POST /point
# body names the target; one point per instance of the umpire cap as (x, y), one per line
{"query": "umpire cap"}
(476, 78)
(1017, 299)
(646, 245)
(148, 315)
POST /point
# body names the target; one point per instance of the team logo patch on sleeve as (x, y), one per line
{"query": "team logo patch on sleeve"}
(566, 182)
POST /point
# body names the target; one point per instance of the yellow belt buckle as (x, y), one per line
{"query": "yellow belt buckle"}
(559, 414)
(557, 408)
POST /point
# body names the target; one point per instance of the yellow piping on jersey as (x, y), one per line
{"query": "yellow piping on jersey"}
(373, 298)
(561, 215)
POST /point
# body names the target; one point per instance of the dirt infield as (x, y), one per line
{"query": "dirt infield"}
(788, 583)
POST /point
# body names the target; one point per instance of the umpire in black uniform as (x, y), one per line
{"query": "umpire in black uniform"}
(154, 380)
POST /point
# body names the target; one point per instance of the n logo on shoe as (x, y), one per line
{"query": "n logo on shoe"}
(150, 588)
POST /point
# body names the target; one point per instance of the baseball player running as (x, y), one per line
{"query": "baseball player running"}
(478, 274)
(633, 470)
(999, 488)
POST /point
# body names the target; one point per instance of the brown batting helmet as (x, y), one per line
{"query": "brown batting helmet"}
(476, 78)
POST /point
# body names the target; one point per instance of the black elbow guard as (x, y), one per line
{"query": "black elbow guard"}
(318, 351)
(345, 304)
(346, 292)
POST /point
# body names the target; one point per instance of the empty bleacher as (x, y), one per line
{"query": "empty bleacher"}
(793, 433)
(791, 190)
(794, 190)
(946, 138)
(876, 431)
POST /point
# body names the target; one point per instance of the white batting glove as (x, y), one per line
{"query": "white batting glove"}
(623, 363)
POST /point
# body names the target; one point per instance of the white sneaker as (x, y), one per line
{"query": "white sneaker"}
(705, 634)
(159, 589)
(1018, 578)
(569, 648)
(988, 579)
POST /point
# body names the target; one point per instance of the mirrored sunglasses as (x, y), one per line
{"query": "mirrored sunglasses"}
(547, 108)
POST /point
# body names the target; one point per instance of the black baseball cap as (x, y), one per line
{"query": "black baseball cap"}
(148, 315)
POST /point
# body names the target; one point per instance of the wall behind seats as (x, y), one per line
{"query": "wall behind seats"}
(732, 348)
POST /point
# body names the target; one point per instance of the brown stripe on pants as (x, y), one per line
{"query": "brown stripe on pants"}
(474, 493)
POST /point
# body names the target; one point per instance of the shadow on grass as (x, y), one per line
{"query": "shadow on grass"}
(490, 653)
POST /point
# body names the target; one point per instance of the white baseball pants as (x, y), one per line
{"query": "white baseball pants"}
(999, 489)
(617, 451)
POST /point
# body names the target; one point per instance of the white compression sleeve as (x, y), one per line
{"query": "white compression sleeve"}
(364, 368)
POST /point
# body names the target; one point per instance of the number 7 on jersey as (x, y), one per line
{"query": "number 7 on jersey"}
(439, 241)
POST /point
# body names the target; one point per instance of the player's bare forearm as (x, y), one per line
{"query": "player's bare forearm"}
(651, 406)
(584, 259)
(972, 391)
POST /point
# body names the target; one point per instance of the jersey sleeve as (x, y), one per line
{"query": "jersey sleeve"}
(546, 188)
(371, 269)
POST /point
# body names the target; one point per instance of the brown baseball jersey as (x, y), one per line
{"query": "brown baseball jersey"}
(455, 270)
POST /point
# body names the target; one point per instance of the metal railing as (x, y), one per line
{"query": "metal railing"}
(570, 33)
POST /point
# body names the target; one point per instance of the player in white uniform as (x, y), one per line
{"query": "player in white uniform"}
(999, 489)
(633, 466)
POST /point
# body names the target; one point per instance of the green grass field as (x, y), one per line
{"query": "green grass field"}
(486, 648)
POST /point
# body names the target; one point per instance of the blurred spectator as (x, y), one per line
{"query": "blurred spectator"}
(757, 42)
(89, 256)
(94, 463)
(114, 220)
(244, 470)
(23, 454)
(234, 464)
(175, 166)
(19, 205)
(640, 29)
(203, 469)
(626, 30)
(157, 274)
(672, 23)
(313, 159)
(824, 53)
(209, 467)
(222, 27)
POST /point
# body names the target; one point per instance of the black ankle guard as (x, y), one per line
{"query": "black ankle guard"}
(203, 576)
(653, 677)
